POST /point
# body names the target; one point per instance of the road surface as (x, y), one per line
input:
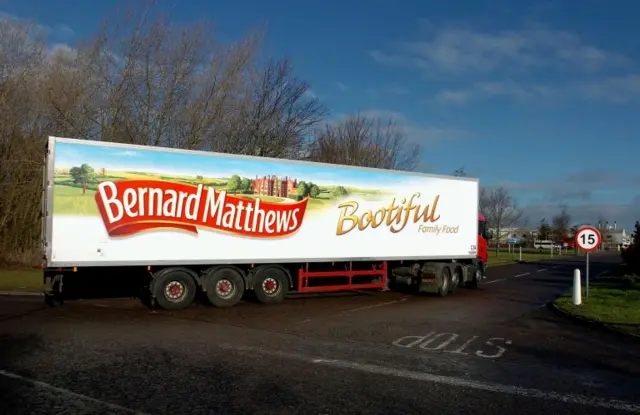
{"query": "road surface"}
(495, 350)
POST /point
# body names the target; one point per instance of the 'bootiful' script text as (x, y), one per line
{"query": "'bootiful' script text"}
(132, 206)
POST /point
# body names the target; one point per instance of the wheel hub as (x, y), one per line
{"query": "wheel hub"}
(175, 291)
(270, 286)
(224, 288)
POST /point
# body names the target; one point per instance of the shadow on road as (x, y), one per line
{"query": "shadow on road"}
(13, 350)
(582, 358)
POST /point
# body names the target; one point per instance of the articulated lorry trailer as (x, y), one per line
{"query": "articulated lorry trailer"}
(186, 222)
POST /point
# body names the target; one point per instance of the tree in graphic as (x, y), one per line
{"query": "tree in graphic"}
(303, 189)
(83, 176)
(245, 185)
(339, 191)
(234, 184)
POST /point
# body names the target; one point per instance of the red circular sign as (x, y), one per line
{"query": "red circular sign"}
(588, 238)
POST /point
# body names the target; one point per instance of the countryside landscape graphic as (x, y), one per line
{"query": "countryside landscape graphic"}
(77, 176)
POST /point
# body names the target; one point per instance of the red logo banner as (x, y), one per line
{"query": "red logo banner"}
(132, 206)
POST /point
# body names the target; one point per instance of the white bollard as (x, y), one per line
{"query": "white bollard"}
(520, 253)
(577, 288)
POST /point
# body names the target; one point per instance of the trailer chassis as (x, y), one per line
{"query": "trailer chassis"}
(175, 287)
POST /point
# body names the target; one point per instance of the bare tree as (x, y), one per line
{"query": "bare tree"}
(460, 172)
(561, 224)
(368, 142)
(275, 116)
(140, 79)
(501, 211)
(484, 200)
(22, 52)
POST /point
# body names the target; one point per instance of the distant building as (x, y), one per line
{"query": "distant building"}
(612, 236)
(102, 171)
(274, 186)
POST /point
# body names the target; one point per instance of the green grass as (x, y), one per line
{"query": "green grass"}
(609, 303)
(505, 258)
(318, 203)
(68, 200)
(352, 190)
(29, 280)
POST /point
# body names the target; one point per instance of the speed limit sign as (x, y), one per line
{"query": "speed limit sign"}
(588, 238)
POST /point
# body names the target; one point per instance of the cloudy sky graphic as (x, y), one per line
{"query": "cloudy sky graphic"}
(218, 166)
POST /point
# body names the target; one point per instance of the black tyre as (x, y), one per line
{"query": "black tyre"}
(174, 289)
(271, 285)
(456, 277)
(224, 286)
(445, 283)
(475, 282)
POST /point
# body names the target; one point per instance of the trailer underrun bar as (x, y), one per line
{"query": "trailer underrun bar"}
(304, 276)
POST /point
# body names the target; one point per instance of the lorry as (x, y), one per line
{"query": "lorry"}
(187, 222)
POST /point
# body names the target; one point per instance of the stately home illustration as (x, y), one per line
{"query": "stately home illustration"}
(274, 186)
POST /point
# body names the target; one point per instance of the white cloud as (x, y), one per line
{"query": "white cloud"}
(454, 50)
(418, 132)
(342, 87)
(614, 90)
(127, 153)
(587, 194)
(508, 89)
(617, 90)
(59, 30)
(625, 214)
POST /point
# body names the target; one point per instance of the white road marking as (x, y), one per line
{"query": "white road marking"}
(67, 392)
(492, 281)
(541, 270)
(447, 380)
(484, 386)
(488, 350)
(375, 305)
(522, 275)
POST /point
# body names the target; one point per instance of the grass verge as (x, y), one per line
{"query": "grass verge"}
(506, 258)
(25, 280)
(611, 302)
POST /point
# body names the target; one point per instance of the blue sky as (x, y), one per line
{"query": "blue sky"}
(539, 96)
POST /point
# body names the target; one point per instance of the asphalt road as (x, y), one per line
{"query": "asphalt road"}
(492, 350)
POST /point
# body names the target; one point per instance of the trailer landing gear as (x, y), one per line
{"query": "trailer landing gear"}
(53, 290)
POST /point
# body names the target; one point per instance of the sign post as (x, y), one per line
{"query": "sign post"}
(588, 239)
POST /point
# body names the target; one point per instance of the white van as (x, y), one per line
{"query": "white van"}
(544, 244)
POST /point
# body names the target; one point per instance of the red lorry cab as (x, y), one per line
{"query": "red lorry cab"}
(483, 247)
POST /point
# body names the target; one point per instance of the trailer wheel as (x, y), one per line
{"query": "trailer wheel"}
(174, 289)
(271, 285)
(224, 287)
(445, 283)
